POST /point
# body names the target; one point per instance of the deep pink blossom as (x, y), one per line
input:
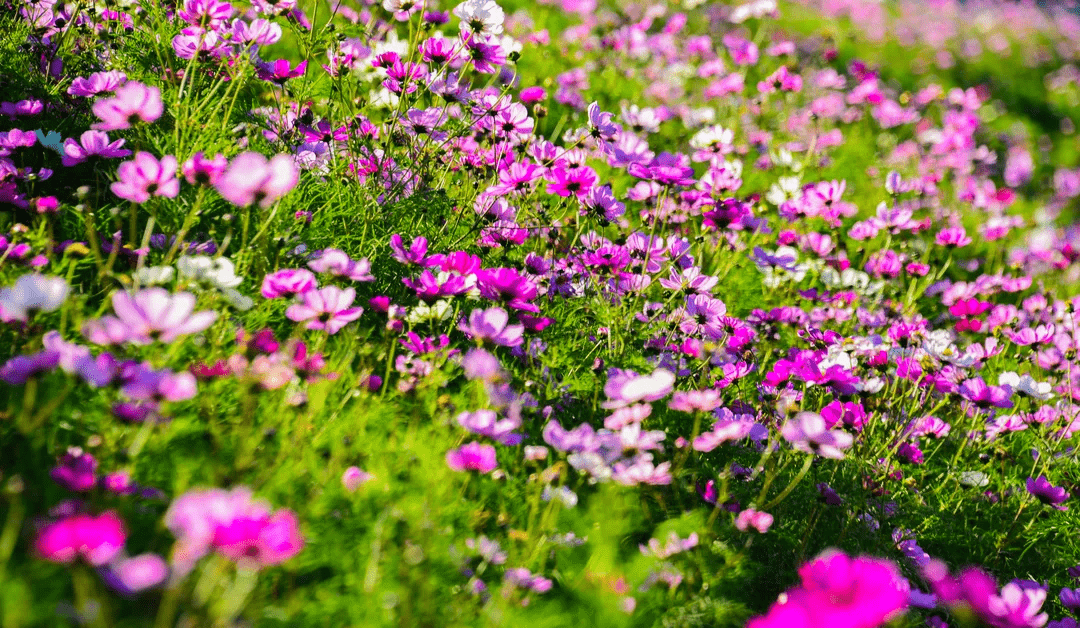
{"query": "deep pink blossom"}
(472, 457)
(838, 590)
(94, 539)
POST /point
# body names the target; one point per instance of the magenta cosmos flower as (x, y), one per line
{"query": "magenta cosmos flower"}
(97, 540)
(472, 457)
(145, 176)
(252, 179)
(133, 102)
(838, 590)
(288, 281)
(326, 309)
(147, 315)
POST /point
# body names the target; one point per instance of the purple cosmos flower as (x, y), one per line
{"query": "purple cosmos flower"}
(487, 423)
(337, 262)
(132, 103)
(141, 382)
(1014, 606)
(1070, 599)
(415, 254)
(149, 314)
(480, 364)
(572, 181)
(1047, 493)
(722, 432)
(486, 56)
(829, 495)
(492, 326)
(92, 144)
(600, 125)
(251, 179)
(75, 471)
(525, 579)
(665, 169)
(624, 388)
(326, 309)
(472, 457)
(22, 367)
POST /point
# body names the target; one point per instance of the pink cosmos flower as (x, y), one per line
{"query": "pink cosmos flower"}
(722, 432)
(750, 518)
(808, 432)
(1011, 607)
(326, 309)
(132, 103)
(145, 176)
(233, 524)
(492, 326)
(472, 457)
(288, 281)
(92, 144)
(152, 313)
(96, 83)
(354, 478)
(75, 471)
(252, 179)
(131, 575)
(624, 387)
(94, 539)
(202, 170)
(337, 262)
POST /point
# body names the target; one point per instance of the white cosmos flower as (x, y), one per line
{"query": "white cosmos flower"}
(218, 272)
(1026, 385)
(480, 17)
(154, 275)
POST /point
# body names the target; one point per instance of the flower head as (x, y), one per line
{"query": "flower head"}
(326, 309)
(252, 179)
(145, 176)
(133, 102)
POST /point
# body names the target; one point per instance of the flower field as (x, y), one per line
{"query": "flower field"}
(571, 312)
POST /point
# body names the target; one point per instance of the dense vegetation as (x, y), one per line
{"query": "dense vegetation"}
(509, 313)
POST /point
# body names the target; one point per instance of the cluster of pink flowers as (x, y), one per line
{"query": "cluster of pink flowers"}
(233, 524)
